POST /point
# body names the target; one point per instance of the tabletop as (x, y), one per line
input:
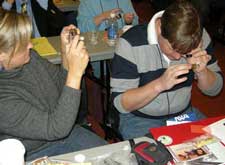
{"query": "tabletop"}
(95, 155)
(100, 51)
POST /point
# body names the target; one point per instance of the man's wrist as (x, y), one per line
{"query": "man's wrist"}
(202, 73)
(158, 86)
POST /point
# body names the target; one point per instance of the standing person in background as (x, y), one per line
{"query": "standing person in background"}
(46, 18)
(39, 101)
(93, 15)
(155, 65)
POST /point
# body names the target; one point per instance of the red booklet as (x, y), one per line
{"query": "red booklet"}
(176, 134)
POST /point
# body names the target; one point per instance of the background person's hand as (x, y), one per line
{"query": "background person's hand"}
(128, 18)
(106, 14)
(173, 76)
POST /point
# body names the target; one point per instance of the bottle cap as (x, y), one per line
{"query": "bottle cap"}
(112, 15)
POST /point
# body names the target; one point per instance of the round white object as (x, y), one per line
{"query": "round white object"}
(11, 152)
(81, 38)
(166, 140)
(79, 158)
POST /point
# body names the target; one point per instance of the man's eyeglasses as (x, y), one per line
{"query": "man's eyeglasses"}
(187, 55)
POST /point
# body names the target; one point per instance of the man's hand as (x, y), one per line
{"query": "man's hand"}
(199, 60)
(106, 15)
(173, 76)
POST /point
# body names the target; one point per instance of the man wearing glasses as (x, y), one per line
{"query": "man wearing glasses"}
(154, 67)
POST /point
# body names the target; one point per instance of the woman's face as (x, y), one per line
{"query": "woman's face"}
(18, 59)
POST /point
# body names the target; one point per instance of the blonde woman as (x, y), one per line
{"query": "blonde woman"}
(38, 100)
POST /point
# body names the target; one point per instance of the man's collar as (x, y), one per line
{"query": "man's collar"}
(152, 36)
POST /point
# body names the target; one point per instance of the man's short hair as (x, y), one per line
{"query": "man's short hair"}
(180, 25)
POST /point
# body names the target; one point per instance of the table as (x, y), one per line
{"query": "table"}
(120, 152)
(68, 5)
(101, 51)
(102, 151)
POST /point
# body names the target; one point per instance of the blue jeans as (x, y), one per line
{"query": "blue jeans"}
(132, 126)
(79, 139)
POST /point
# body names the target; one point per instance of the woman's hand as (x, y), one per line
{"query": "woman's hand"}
(64, 38)
(77, 57)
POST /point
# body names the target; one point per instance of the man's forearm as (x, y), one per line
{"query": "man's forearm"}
(206, 79)
(134, 99)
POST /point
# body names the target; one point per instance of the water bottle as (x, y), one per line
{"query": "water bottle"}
(112, 29)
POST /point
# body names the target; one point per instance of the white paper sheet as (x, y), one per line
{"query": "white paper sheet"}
(217, 129)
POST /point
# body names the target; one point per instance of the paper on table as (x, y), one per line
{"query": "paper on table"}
(43, 47)
(217, 149)
(217, 129)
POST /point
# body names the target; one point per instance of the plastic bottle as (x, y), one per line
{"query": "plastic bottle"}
(112, 29)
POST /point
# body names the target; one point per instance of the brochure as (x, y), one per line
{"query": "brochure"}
(43, 47)
(199, 150)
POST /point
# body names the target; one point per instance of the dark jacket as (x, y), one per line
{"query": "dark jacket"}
(49, 22)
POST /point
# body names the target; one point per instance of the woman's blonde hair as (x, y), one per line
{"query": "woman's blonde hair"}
(15, 32)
